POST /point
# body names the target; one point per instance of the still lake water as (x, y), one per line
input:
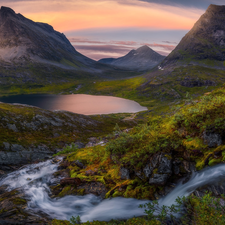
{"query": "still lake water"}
(78, 103)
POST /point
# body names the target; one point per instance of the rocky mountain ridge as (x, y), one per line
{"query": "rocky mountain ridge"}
(23, 40)
(205, 41)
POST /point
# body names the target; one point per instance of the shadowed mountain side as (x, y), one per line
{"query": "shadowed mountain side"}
(204, 43)
(141, 59)
(29, 50)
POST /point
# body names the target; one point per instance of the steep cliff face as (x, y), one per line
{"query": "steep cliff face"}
(206, 40)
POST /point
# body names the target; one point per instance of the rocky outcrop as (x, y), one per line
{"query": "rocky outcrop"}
(196, 83)
(13, 206)
(211, 138)
(124, 173)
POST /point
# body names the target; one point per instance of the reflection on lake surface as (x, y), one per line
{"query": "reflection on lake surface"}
(79, 103)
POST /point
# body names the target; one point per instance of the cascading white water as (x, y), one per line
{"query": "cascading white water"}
(35, 180)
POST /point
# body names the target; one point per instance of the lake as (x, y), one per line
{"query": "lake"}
(78, 103)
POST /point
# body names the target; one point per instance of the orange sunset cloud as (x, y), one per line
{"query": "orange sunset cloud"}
(111, 14)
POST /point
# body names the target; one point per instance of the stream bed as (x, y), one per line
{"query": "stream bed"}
(35, 181)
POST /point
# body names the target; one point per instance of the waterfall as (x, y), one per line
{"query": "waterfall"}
(35, 180)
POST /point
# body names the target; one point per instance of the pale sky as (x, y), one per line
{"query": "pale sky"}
(111, 28)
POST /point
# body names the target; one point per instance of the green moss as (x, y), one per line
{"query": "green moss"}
(155, 171)
(19, 201)
(213, 162)
(80, 192)
(66, 191)
(117, 194)
(2, 210)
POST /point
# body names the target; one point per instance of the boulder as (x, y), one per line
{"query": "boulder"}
(211, 139)
(161, 167)
(124, 173)
(79, 164)
(148, 170)
(165, 165)
(159, 179)
(12, 127)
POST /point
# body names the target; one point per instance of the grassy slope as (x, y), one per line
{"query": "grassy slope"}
(179, 134)
(84, 126)
(178, 131)
(16, 79)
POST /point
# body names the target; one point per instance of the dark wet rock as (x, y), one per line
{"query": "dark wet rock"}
(197, 152)
(63, 165)
(16, 147)
(79, 164)
(12, 127)
(196, 83)
(192, 167)
(124, 173)
(22, 157)
(13, 209)
(139, 174)
(186, 166)
(91, 142)
(68, 181)
(91, 172)
(79, 144)
(159, 179)
(217, 189)
(163, 171)
(6, 145)
(217, 154)
(211, 139)
(148, 170)
(176, 166)
(157, 196)
(165, 166)
(95, 188)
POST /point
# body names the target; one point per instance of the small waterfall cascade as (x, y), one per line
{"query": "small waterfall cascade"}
(35, 180)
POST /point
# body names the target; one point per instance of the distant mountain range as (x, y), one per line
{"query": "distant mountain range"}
(141, 59)
(204, 43)
(33, 52)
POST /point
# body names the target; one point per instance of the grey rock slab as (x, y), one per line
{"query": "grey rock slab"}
(12, 127)
(6, 145)
(148, 170)
(16, 147)
(13, 158)
(212, 139)
(159, 179)
(124, 173)
(165, 166)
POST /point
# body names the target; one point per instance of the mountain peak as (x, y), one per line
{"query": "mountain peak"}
(215, 8)
(141, 59)
(143, 47)
(7, 10)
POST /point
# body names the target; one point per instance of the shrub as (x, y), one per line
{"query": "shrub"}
(68, 149)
